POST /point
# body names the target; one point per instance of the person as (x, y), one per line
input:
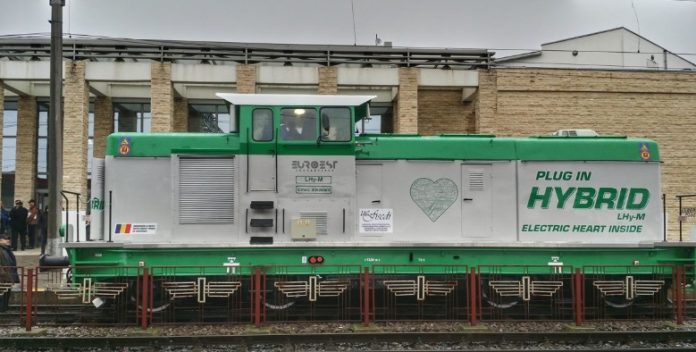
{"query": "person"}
(32, 223)
(4, 219)
(8, 270)
(18, 224)
(298, 128)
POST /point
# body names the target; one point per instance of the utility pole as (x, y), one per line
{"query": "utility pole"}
(55, 128)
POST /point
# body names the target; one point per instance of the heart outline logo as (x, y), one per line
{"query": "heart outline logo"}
(434, 197)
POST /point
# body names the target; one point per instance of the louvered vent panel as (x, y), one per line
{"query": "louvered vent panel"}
(320, 218)
(99, 173)
(476, 180)
(206, 190)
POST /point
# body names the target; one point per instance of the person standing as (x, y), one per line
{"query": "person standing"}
(4, 219)
(8, 270)
(32, 223)
(18, 223)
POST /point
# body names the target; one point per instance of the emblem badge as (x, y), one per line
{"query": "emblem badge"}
(434, 197)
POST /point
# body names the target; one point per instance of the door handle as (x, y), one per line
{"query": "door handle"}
(467, 199)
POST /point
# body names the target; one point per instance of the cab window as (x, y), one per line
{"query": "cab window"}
(336, 124)
(298, 124)
(262, 125)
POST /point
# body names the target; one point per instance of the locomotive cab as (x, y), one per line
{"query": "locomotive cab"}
(300, 162)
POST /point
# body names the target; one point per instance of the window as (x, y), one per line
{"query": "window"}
(9, 150)
(298, 124)
(42, 140)
(132, 117)
(262, 125)
(380, 121)
(213, 117)
(335, 124)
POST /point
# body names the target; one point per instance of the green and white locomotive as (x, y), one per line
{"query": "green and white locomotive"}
(296, 186)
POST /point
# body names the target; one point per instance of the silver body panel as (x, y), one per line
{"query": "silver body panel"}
(349, 203)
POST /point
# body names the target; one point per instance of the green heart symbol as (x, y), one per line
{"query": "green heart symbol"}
(434, 197)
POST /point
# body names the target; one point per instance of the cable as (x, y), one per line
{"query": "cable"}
(633, 6)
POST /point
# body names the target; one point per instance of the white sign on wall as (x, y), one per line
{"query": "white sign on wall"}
(376, 221)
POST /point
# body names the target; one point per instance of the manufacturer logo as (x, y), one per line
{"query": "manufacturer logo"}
(314, 165)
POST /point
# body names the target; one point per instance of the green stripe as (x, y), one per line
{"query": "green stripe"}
(381, 147)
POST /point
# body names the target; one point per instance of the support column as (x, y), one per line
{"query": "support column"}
(162, 97)
(25, 165)
(103, 124)
(180, 114)
(406, 120)
(328, 80)
(486, 102)
(246, 79)
(75, 131)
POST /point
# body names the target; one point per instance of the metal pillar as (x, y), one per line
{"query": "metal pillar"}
(55, 127)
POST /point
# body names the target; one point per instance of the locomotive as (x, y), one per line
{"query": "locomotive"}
(296, 186)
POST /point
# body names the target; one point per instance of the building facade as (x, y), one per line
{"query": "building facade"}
(153, 87)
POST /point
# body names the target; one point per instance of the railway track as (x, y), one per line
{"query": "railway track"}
(376, 341)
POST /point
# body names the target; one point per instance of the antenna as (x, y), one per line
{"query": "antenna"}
(378, 40)
(633, 6)
(355, 36)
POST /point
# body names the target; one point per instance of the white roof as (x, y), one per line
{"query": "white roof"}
(296, 99)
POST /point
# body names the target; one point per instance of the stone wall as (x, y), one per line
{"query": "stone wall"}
(406, 111)
(443, 111)
(75, 133)
(25, 171)
(103, 124)
(162, 97)
(328, 80)
(655, 105)
(246, 79)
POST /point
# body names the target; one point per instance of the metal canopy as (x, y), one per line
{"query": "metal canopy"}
(114, 49)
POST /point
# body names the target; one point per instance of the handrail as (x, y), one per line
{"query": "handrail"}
(77, 214)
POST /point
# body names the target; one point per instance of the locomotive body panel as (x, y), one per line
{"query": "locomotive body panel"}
(589, 202)
(264, 198)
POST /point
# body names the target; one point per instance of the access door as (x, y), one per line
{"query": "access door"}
(262, 154)
(477, 201)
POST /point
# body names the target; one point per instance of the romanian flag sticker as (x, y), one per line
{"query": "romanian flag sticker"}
(123, 229)
(136, 229)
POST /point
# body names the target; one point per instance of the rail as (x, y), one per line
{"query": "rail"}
(329, 340)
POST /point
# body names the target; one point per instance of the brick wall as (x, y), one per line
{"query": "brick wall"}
(25, 174)
(442, 111)
(180, 114)
(406, 111)
(246, 79)
(162, 97)
(656, 105)
(328, 80)
(103, 124)
(485, 103)
(75, 124)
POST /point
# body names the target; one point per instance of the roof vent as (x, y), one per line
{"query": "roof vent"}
(579, 132)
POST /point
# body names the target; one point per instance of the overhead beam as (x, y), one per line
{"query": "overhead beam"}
(15, 90)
